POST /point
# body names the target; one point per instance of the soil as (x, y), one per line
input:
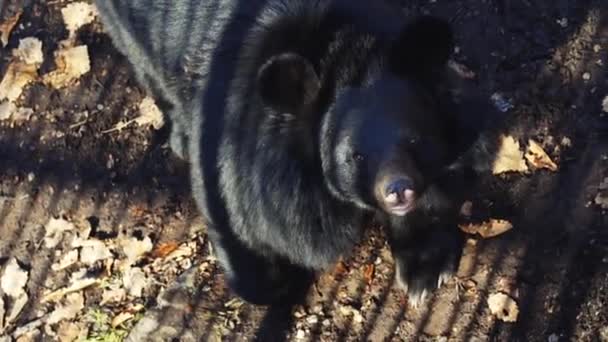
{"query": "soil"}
(548, 57)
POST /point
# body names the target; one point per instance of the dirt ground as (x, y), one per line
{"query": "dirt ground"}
(549, 58)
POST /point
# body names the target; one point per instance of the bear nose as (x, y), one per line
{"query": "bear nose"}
(399, 186)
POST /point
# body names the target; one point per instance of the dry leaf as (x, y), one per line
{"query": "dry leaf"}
(134, 281)
(67, 309)
(18, 305)
(29, 51)
(537, 157)
(121, 318)
(134, 248)
(33, 335)
(183, 251)
(71, 63)
(509, 157)
(54, 230)
(2, 313)
(78, 14)
(22, 69)
(7, 27)
(503, 307)
(114, 294)
(164, 249)
(488, 229)
(150, 114)
(94, 250)
(13, 279)
(8, 110)
(68, 259)
(368, 273)
(340, 269)
(69, 331)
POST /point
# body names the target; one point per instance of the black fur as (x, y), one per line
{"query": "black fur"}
(293, 113)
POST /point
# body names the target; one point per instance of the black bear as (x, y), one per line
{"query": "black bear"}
(299, 118)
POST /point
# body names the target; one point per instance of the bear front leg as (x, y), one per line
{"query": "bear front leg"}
(427, 250)
(259, 277)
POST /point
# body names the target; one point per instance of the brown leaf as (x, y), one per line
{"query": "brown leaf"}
(488, 229)
(340, 269)
(368, 273)
(7, 27)
(509, 158)
(537, 157)
(72, 62)
(164, 249)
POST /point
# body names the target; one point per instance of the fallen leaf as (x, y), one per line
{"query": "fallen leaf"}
(368, 273)
(29, 51)
(71, 62)
(54, 230)
(601, 200)
(488, 229)
(348, 310)
(8, 110)
(509, 157)
(7, 27)
(114, 294)
(134, 248)
(121, 318)
(94, 250)
(67, 260)
(2, 313)
(28, 327)
(69, 307)
(503, 307)
(537, 157)
(77, 14)
(340, 269)
(150, 114)
(164, 249)
(23, 68)
(134, 281)
(30, 336)
(13, 279)
(70, 331)
(18, 305)
(183, 251)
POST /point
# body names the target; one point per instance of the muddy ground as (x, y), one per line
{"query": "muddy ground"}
(549, 57)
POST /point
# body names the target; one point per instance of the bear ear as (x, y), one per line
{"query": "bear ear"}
(423, 46)
(287, 81)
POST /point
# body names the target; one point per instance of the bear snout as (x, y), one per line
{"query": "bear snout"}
(398, 195)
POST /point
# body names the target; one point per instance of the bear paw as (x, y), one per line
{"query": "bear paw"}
(422, 269)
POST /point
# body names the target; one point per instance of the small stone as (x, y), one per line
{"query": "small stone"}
(99, 107)
(31, 176)
(586, 76)
(597, 48)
